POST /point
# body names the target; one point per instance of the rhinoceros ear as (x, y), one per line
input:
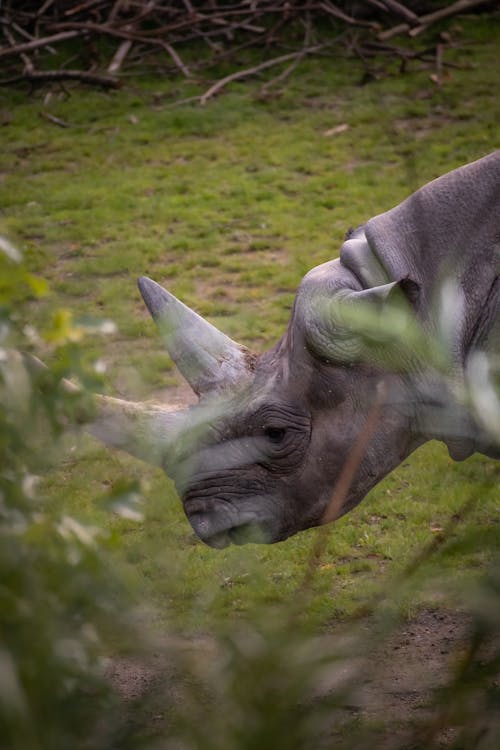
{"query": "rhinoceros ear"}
(208, 359)
(349, 326)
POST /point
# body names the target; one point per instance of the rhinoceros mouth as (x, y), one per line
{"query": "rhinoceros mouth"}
(220, 524)
(253, 531)
(219, 532)
(222, 513)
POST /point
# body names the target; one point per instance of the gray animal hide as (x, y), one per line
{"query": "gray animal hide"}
(444, 236)
(448, 228)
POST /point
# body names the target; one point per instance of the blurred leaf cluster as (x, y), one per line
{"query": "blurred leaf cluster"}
(58, 599)
(271, 684)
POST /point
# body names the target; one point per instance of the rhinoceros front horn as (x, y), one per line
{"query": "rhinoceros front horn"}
(207, 358)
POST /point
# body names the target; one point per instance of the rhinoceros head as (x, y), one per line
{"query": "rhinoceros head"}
(259, 457)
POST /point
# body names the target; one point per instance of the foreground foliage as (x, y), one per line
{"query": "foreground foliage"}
(230, 220)
(57, 598)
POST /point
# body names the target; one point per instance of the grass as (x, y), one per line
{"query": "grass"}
(229, 206)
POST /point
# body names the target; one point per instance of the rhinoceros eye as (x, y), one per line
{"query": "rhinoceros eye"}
(275, 434)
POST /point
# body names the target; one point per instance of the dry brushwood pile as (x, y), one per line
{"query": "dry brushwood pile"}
(99, 42)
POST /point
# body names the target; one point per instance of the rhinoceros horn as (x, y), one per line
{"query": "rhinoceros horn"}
(152, 432)
(208, 359)
(159, 433)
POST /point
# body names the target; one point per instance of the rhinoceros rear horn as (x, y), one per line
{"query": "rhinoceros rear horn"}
(207, 358)
(152, 432)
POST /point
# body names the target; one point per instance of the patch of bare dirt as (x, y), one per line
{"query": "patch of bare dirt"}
(413, 664)
(396, 685)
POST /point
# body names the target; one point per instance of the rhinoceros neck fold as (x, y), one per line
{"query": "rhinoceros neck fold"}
(449, 228)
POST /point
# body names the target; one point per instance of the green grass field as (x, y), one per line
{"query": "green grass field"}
(228, 206)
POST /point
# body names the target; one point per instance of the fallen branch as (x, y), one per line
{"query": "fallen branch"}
(216, 87)
(401, 10)
(332, 10)
(83, 6)
(144, 27)
(45, 6)
(54, 120)
(177, 60)
(451, 10)
(19, 49)
(119, 56)
(42, 76)
(28, 64)
(284, 73)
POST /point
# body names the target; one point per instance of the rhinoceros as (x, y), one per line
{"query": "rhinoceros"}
(259, 457)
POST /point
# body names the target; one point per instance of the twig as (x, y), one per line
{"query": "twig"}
(332, 10)
(344, 482)
(83, 6)
(380, 4)
(293, 65)
(438, 15)
(182, 102)
(54, 120)
(146, 11)
(119, 56)
(230, 26)
(401, 10)
(28, 65)
(284, 73)
(419, 558)
(45, 6)
(177, 60)
(41, 76)
(115, 9)
(26, 35)
(439, 64)
(129, 35)
(36, 43)
(253, 71)
(356, 455)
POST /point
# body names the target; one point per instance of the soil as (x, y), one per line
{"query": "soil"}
(414, 663)
(396, 686)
